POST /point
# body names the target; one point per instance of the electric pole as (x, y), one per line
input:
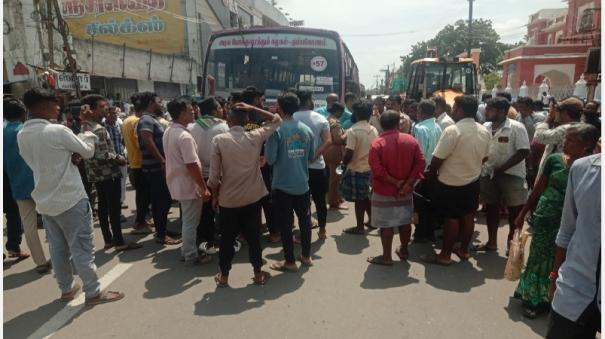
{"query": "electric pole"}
(49, 29)
(470, 28)
(64, 31)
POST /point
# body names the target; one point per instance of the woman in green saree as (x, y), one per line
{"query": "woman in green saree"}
(546, 202)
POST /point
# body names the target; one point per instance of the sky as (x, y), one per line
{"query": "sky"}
(378, 32)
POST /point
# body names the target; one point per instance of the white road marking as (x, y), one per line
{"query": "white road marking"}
(73, 307)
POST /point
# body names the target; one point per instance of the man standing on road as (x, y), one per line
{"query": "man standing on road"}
(150, 133)
(427, 132)
(376, 113)
(394, 104)
(135, 162)
(577, 292)
(456, 163)
(503, 174)
(103, 171)
(331, 99)
(346, 118)
(289, 151)
(184, 177)
(60, 197)
(115, 132)
(21, 181)
(237, 186)
(318, 182)
(443, 119)
(209, 125)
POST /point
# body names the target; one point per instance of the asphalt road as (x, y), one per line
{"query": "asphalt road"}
(341, 296)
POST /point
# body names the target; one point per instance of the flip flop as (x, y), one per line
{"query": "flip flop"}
(218, 282)
(379, 260)
(483, 248)
(167, 241)
(458, 253)
(307, 263)
(401, 256)
(128, 246)
(370, 227)
(19, 255)
(263, 280)
(283, 267)
(354, 231)
(322, 236)
(71, 294)
(434, 260)
(104, 297)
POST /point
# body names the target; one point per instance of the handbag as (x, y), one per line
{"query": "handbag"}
(516, 254)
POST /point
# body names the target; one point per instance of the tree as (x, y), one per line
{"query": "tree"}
(492, 79)
(452, 41)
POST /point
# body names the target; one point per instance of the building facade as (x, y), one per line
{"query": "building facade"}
(120, 46)
(558, 41)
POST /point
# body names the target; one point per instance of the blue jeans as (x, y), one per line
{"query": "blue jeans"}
(70, 234)
(191, 214)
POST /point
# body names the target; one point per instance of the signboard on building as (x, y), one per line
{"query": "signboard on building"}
(143, 24)
(65, 80)
(274, 40)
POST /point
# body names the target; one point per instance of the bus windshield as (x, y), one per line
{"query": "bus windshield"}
(274, 62)
(457, 76)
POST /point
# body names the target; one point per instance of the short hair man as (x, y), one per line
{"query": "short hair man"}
(394, 103)
(203, 130)
(458, 158)
(377, 112)
(443, 119)
(21, 182)
(355, 182)
(237, 186)
(527, 116)
(149, 133)
(184, 176)
(591, 114)
(397, 163)
(60, 197)
(503, 174)
(322, 139)
(113, 124)
(103, 170)
(427, 132)
(289, 150)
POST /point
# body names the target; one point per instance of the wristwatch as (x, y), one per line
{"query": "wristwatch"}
(552, 276)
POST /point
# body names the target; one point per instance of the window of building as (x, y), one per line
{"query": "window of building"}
(585, 18)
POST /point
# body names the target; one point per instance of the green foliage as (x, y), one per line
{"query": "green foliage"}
(491, 79)
(452, 41)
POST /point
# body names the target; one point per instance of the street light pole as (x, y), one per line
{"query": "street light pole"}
(470, 28)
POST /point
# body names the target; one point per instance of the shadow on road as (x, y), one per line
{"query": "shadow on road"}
(228, 301)
(458, 277)
(515, 313)
(27, 323)
(21, 279)
(383, 277)
(351, 244)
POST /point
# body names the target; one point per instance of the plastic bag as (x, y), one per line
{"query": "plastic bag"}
(516, 254)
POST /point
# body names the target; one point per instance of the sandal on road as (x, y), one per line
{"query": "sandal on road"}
(218, 279)
(128, 246)
(264, 277)
(306, 261)
(284, 267)
(71, 294)
(20, 255)
(434, 260)
(379, 260)
(168, 241)
(483, 248)
(402, 257)
(463, 256)
(354, 230)
(104, 297)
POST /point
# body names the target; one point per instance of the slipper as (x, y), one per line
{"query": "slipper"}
(433, 259)
(71, 294)
(401, 256)
(379, 260)
(283, 267)
(483, 248)
(306, 262)
(128, 246)
(322, 236)
(314, 225)
(167, 241)
(354, 230)
(104, 297)
(219, 283)
(264, 277)
(275, 240)
(108, 246)
(18, 254)
(338, 207)
(142, 230)
(370, 227)
(458, 252)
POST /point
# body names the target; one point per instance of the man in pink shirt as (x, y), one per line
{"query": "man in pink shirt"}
(397, 164)
(184, 176)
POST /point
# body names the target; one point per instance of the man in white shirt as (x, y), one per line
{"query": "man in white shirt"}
(503, 174)
(457, 162)
(48, 149)
(443, 120)
(318, 182)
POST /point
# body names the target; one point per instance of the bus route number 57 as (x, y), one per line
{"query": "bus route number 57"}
(319, 64)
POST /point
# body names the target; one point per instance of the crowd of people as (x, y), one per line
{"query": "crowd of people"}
(229, 161)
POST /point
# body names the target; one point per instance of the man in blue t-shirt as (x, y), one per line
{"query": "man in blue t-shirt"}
(290, 150)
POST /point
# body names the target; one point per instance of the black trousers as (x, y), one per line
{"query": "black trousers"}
(160, 201)
(245, 220)
(284, 206)
(267, 172)
(318, 183)
(14, 228)
(207, 226)
(585, 327)
(109, 209)
(426, 213)
(142, 194)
